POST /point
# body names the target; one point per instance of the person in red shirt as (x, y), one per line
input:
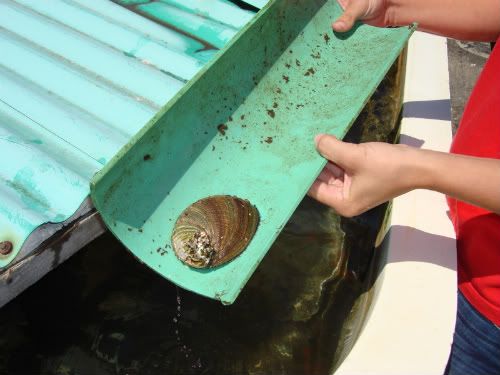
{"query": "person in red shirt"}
(358, 177)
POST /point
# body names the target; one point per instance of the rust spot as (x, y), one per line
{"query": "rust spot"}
(269, 140)
(297, 62)
(278, 90)
(147, 157)
(286, 79)
(242, 117)
(326, 37)
(161, 251)
(222, 128)
(288, 66)
(309, 72)
(230, 118)
(206, 45)
(213, 147)
(275, 105)
(271, 113)
(140, 230)
(129, 229)
(6, 247)
(316, 55)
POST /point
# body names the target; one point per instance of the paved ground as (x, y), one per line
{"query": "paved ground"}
(466, 60)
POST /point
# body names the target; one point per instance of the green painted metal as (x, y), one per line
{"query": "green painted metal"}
(283, 79)
(78, 79)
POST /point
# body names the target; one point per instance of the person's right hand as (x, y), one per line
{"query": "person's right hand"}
(371, 12)
(361, 176)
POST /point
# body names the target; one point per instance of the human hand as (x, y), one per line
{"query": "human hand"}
(359, 177)
(372, 12)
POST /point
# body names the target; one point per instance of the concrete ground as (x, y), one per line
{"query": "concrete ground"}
(465, 59)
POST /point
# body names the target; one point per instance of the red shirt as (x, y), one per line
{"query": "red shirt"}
(478, 230)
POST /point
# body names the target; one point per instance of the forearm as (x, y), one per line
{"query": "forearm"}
(461, 19)
(470, 179)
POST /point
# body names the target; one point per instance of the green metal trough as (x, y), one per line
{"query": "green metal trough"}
(244, 126)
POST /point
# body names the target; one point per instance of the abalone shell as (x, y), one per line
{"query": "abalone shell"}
(214, 230)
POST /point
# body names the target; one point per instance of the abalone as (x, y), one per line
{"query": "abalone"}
(214, 230)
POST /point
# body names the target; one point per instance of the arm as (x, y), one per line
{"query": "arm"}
(469, 179)
(461, 19)
(362, 176)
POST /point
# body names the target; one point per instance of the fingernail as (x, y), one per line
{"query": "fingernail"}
(316, 139)
(339, 25)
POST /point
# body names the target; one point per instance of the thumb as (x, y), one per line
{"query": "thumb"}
(353, 11)
(338, 152)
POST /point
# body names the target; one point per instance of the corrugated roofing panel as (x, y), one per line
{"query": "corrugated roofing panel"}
(78, 79)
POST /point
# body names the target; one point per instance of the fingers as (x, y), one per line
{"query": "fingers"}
(353, 10)
(338, 152)
(334, 196)
(330, 173)
(343, 3)
(326, 194)
(326, 176)
(335, 170)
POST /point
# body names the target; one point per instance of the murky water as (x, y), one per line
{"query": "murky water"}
(103, 312)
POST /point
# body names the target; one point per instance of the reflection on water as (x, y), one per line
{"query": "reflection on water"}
(103, 312)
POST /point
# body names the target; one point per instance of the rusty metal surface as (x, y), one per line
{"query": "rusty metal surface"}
(79, 78)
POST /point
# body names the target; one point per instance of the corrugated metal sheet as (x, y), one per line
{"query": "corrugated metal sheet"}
(77, 79)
